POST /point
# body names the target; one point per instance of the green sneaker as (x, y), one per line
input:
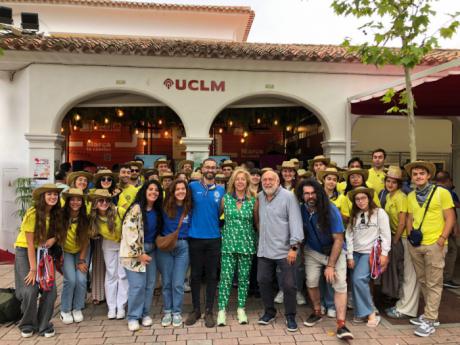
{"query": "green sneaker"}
(221, 318)
(242, 317)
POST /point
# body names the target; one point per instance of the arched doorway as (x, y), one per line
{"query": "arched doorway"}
(112, 128)
(266, 130)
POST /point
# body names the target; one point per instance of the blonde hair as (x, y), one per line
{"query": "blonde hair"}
(231, 183)
(94, 220)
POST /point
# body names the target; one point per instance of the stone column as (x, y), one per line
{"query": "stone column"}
(197, 149)
(336, 151)
(456, 151)
(42, 148)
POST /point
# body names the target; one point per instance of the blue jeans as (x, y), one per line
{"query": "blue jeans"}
(141, 286)
(327, 293)
(173, 266)
(362, 297)
(74, 288)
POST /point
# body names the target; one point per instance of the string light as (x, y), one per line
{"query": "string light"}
(144, 143)
(120, 113)
(288, 128)
(245, 134)
(88, 141)
(136, 131)
(77, 117)
(221, 130)
(75, 127)
(242, 140)
(166, 133)
(275, 122)
(103, 136)
(230, 123)
(160, 122)
(96, 127)
(258, 120)
(106, 120)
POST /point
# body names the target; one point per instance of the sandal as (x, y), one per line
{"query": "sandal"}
(374, 323)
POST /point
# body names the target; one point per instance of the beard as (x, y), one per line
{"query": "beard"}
(209, 175)
(269, 190)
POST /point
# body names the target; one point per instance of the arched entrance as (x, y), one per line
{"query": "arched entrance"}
(266, 130)
(112, 128)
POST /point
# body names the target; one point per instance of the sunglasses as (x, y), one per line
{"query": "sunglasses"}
(363, 219)
(134, 170)
(106, 179)
(103, 201)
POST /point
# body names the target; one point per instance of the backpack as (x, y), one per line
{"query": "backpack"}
(10, 306)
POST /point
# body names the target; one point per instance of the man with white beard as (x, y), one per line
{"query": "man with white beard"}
(280, 237)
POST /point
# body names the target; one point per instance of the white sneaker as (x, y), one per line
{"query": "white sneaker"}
(187, 287)
(112, 314)
(77, 316)
(27, 333)
(323, 310)
(300, 298)
(279, 297)
(147, 321)
(133, 325)
(66, 318)
(121, 314)
(166, 320)
(331, 313)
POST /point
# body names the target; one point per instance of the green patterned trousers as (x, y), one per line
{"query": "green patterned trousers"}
(230, 262)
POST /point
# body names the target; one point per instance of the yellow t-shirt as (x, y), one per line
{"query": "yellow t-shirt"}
(341, 187)
(127, 196)
(394, 206)
(346, 211)
(28, 225)
(376, 179)
(340, 202)
(433, 224)
(106, 233)
(87, 205)
(71, 245)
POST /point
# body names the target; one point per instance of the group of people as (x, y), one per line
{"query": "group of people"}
(259, 228)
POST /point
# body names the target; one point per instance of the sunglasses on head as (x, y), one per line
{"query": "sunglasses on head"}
(106, 179)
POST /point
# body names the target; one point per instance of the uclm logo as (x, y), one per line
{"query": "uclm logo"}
(195, 85)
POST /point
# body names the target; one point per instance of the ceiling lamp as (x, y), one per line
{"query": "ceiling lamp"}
(103, 136)
(120, 113)
(106, 120)
(259, 120)
(242, 140)
(221, 130)
(77, 117)
(245, 134)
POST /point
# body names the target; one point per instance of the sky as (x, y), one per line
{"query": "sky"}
(313, 21)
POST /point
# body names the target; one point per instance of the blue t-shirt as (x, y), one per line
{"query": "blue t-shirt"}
(170, 224)
(316, 238)
(151, 228)
(205, 211)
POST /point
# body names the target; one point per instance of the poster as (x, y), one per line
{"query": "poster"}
(41, 168)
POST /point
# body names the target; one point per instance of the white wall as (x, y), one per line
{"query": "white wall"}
(14, 117)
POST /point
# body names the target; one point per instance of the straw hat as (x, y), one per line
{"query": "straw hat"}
(47, 187)
(369, 191)
(104, 172)
(166, 174)
(430, 167)
(73, 192)
(228, 163)
(329, 171)
(394, 172)
(100, 194)
(363, 172)
(160, 160)
(196, 175)
(288, 165)
(185, 161)
(135, 163)
(220, 177)
(304, 173)
(75, 174)
(320, 158)
(294, 160)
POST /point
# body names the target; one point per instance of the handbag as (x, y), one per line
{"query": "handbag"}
(168, 242)
(374, 259)
(45, 271)
(416, 235)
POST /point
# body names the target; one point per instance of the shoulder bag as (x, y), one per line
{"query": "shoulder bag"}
(416, 235)
(168, 242)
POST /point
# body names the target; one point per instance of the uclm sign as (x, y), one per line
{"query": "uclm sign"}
(195, 85)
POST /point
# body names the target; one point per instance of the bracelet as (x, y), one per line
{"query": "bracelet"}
(81, 261)
(331, 266)
(443, 237)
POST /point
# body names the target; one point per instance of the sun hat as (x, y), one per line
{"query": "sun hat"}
(75, 174)
(288, 165)
(329, 171)
(369, 191)
(183, 162)
(47, 187)
(430, 167)
(395, 172)
(73, 192)
(159, 161)
(228, 163)
(100, 194)
(304, 173)
(220, 177)
(104, 172)
(320, 158)
(363, 172)
(196, 175)
(166, 174)
(135, 163)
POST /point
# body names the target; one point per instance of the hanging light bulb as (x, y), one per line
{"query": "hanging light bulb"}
(275, 122)
(136, 131)
(221, 130)
(62, 129)
(160, 122)
(106, 120)
(120, 113)
(258, 121)
(77, 117)
(245, 134)
(288, 128)
(181, 141)
(144, 143)
(75, 127)
(166, 133)
(95, 127)
(103, 136)
(242, 140)
(88, 141)
(230, 123)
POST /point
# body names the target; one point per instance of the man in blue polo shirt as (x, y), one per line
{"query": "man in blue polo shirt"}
(324, 235)
(204, 240)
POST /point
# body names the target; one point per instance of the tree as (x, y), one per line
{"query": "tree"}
(403, 21)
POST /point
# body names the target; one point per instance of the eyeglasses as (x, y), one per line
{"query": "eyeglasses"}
(106, 179)
(309, 194)
(134, 170)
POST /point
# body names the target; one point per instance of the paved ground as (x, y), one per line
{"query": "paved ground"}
(96, 329)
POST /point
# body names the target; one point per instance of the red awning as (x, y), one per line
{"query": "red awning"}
(435, 95)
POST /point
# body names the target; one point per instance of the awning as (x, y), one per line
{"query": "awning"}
(436, 94)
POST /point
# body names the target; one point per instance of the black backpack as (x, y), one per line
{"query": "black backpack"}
(10, 306)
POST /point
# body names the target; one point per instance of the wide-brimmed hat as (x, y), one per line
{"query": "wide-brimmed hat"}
(104, 172)
(363, 172)
(100, 194)
(185, 161)
(71, 177)
(329, 171)
(369, 191)
(139, 164)
(320, 158)
(288, 165)
(228, 163)
(196, 175)
(73, 192)
(220, 177)
(395, 172)
(430, 167)
(160, 160)
(304, 173)
(47, 187)
(166, 174)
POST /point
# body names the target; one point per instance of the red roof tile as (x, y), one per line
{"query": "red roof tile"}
(198, 49)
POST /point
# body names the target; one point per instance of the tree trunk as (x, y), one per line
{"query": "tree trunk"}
(410, 115)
